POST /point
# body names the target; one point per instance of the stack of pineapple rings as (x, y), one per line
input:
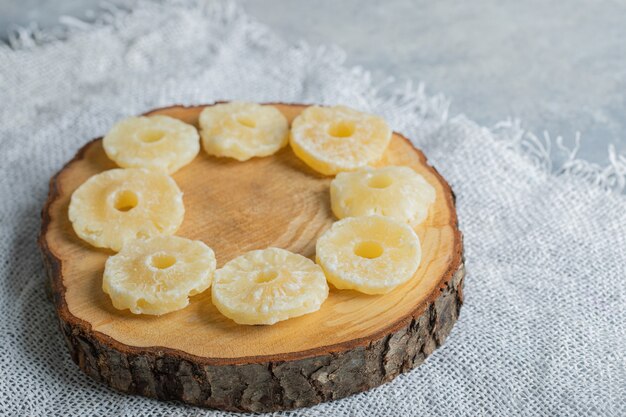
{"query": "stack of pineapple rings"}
(136, 210)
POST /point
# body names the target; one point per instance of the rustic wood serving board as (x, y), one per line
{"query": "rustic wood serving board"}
(196, 355)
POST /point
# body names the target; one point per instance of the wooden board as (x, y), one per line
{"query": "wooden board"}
(196, 355)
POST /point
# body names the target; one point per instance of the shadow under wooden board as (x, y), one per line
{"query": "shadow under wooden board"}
(196, 355)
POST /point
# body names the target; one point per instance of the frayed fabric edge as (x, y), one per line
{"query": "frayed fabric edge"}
(22, 38)
(107, 14)
(542, 151)
(432, 110)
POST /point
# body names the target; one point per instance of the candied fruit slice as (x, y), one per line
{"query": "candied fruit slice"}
(157, 142)
(267, 286)
(370, 254)
(335, 139)
(119, 205)
(242, 130)
(157, 275)
(394, 191)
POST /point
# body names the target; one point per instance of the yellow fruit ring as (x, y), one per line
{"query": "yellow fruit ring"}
(242, 130)
(335, 139)
(121, 205)
(160, 143)
(267, 286)
(157, 275)
(370, 254)
(394, 191)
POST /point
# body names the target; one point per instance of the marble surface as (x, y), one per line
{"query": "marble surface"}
(558, 66)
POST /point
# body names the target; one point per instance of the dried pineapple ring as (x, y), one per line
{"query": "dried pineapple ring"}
(157, 275)
(267, 286)
(394, 191)
(370, 254)
(335, 139)
(243, 130)
(119, 205)
(159, 143)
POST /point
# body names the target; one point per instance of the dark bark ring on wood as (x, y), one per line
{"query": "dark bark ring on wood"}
(264, 381)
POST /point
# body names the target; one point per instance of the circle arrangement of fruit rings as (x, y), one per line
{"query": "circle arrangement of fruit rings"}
(373, 250)
(289, 237)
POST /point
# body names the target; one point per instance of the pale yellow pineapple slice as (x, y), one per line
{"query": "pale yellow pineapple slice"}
(159, 143)
(370, 254)
(267, 286)
(157, 275)
(243, 130)
(394, 191)
(335, 139)
(120, 205)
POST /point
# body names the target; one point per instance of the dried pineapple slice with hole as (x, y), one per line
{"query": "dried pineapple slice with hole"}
(370, 254)
(267, 286)
(335, 139)
(242, 130)
(157, 142)
(394, 191)
(120, 205)
(157, 275)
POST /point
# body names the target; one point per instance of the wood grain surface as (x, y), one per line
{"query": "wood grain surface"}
(235, 207)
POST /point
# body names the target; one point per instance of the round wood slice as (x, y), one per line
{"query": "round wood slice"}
(198, 356)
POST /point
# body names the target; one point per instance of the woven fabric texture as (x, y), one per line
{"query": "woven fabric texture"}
(543, 328)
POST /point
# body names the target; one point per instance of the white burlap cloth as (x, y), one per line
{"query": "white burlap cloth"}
(542, 331)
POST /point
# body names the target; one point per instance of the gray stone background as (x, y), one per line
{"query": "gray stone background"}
(559, 66)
